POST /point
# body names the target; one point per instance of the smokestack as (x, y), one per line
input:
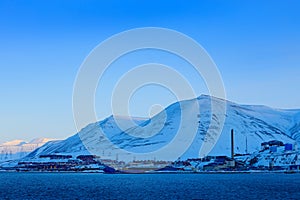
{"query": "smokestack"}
(232, 144)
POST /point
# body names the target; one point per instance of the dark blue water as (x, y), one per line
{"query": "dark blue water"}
(148, 186)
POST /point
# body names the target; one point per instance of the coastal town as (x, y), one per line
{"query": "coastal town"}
(274, 156)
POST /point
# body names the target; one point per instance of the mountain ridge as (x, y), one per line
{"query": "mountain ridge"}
(19, 148)
(252, 123)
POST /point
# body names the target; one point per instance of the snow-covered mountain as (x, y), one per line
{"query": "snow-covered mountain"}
(19, 148)
(252, 126)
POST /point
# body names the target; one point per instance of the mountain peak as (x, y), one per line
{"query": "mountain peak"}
(40, 140)
(14, 143)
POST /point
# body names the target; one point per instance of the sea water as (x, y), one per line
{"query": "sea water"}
(148, 186)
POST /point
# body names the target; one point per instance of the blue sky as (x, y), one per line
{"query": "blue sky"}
(255, 44)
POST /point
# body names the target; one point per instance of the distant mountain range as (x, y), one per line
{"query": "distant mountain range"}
(252, 125)
(19, 148)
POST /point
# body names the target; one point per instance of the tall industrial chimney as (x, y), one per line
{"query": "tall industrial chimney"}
(232, 144)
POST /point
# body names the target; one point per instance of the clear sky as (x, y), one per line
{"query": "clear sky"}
(255, 44)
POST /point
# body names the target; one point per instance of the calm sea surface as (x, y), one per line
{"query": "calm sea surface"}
(148, 186)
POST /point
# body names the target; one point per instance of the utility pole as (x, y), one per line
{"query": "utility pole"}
(232, 144)
(246, 145)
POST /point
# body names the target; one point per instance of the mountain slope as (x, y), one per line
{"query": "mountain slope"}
(254, 124)
(18, 148)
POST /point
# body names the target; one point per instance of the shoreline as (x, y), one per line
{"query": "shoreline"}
(204, 172)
